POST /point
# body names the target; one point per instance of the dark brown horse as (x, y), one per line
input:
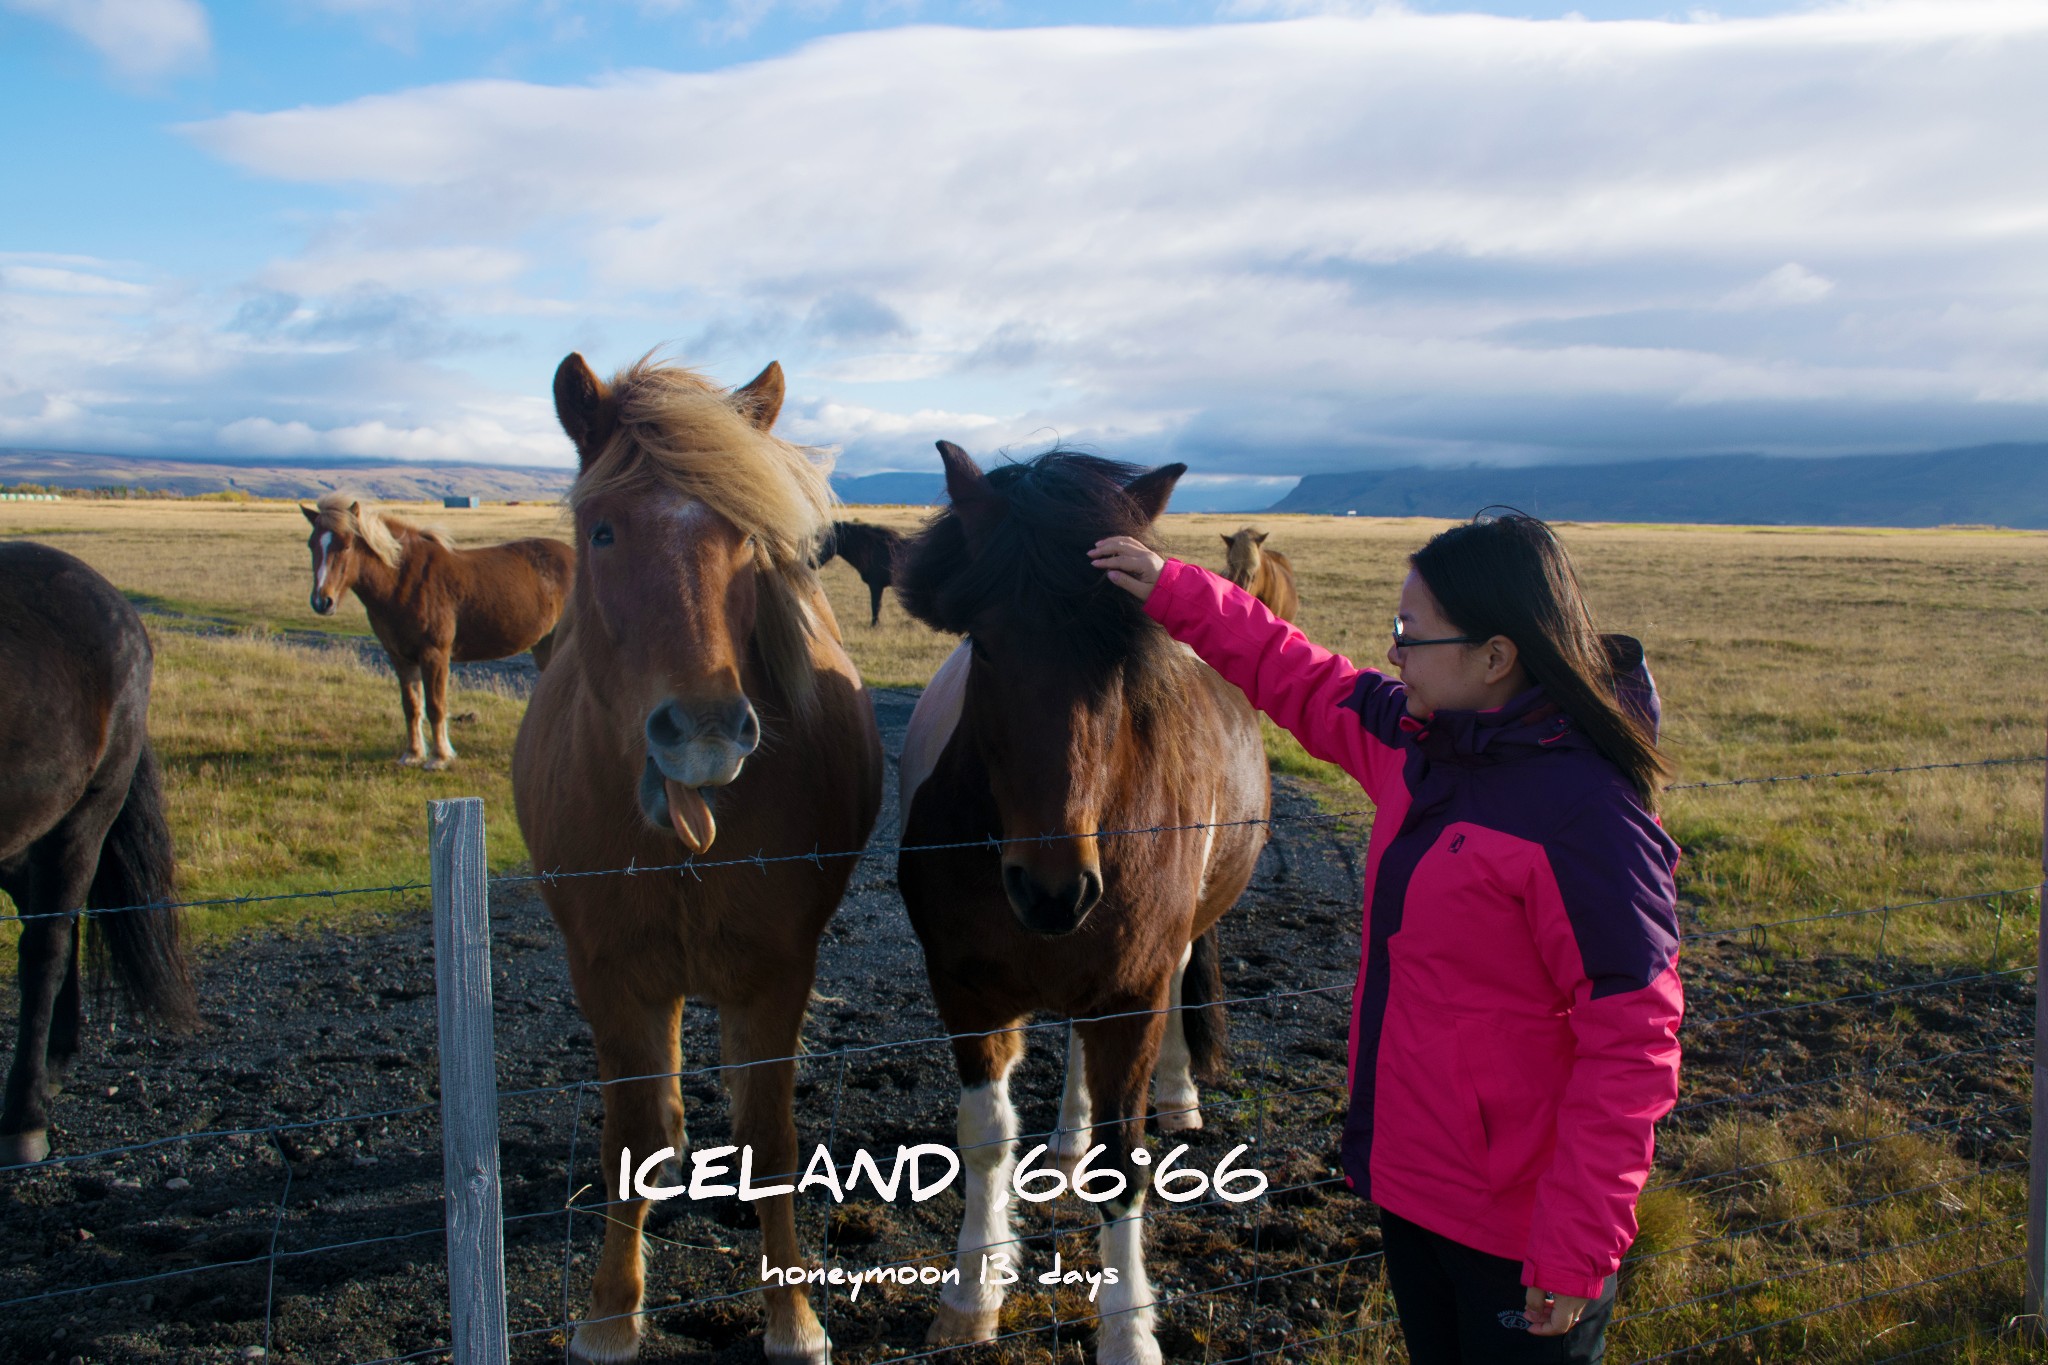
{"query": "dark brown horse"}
(1265, 574)
(1067, 712)
(702, 696)
(81, 821)
(871, 550)
(432, 604)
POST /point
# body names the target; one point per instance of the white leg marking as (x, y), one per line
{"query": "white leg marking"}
(806, 1342)
(1070, 1143)
(1175, 1100)
(988, 1151)
(1125, 1334)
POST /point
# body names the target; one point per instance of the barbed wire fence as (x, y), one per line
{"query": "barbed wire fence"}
(1974, 1159)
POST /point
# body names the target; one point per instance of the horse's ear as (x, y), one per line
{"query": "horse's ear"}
(1228, 542)
(760, 398)
(1258, 537)
(355, 510)
(310, 514)
(583, 405)
(1150, 490)
(974, 502)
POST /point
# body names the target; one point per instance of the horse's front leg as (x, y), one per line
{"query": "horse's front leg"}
(1070, 1142)
(988, 1150)
(1176, 1102)
(48, 952)
(408, 670)
(1120, 1055)
(640, 1117)
(434, 668)
(763, 1119)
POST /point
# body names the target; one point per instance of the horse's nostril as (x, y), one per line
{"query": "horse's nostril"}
(665, 729)
(749, 736)
(1091, 892)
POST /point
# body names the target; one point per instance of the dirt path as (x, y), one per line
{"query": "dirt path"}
(301, 1029)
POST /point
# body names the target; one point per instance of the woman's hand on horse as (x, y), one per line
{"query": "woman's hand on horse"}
(1130, 565)
(1552, 1315)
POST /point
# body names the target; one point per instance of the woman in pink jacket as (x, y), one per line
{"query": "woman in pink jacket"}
(1514, 1026)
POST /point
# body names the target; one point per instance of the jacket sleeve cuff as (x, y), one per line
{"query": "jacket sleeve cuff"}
(1553, 1281)
(1159, 603)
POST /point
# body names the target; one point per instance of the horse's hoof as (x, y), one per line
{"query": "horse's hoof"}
(409, 760)
(24, 1149)
(1185, 1120)
(606, 1343)
(435, 765)
(960, 1326)
(814, 1348)
(1131, 1350)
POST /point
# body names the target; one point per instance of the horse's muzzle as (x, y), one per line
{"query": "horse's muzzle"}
(705, 745)
(1051, 911)
(323, 604)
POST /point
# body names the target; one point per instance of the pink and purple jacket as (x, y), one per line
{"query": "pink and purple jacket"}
(1514, 1028)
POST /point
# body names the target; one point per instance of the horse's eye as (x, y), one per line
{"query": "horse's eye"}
(601, 534)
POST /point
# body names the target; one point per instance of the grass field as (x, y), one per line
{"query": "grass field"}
(1778, 651)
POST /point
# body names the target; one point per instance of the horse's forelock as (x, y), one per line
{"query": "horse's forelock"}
(1031, 569)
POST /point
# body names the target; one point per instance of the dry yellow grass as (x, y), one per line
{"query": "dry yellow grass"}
(1778, 651)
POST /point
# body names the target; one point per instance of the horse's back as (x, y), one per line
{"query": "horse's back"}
(509, 596)
(74, 686)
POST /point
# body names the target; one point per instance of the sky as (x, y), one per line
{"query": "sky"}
(1263, 237)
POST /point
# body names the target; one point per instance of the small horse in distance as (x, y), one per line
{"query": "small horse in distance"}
(81, 823)
(871, 550)
(703, 695)
(431, 603)
(1066, 712)
(1265, 574)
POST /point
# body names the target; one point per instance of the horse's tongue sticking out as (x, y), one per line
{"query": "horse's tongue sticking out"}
(689, 813)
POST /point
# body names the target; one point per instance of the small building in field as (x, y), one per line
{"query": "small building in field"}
(464, 500)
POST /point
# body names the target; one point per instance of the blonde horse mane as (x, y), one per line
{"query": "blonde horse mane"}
(378, 533)
(678, 427)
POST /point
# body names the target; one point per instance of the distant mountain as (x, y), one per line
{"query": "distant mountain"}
(1997, 485)
(914, 490)
(388, 481)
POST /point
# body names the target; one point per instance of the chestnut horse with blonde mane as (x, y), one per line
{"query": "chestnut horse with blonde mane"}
(432, 604)
(1265, 574)
(702, 703)
(1065, 713)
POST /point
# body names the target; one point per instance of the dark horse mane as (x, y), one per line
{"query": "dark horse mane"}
(1032, 570)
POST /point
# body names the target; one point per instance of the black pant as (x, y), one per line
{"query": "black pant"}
(1459, 1306)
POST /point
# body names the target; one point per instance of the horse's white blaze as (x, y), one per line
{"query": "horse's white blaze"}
(1125, 1335)
(1076, 1113)
(988, 1151)
(932, 723)
(324, 548)
(1174, 1097)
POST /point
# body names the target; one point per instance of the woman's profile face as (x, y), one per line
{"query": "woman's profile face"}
(1440, 677)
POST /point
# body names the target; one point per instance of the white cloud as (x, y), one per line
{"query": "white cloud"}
(1791, 283)
(1278, 245)
(139, 38)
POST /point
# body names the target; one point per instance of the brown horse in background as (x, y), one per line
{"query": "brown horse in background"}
(432, 604)
(1265, 574)
(702, 696)
(81, 822)
(871, 550)
(1067, 712)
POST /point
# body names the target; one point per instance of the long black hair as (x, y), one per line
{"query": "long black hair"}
(1507, 574)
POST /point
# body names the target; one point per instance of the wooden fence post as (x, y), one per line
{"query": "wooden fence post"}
(469, 1083)
(2037, 1162)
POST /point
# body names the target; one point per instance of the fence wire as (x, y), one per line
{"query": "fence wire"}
(1222, 1103)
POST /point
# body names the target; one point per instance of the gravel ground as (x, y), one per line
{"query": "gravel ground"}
(301, 1029)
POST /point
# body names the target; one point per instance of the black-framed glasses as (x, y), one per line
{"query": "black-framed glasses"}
(1402, 641)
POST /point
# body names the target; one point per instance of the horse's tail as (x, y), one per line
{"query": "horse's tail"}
(1203, 1022)
(139, 949)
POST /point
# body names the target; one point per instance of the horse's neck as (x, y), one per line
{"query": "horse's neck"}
(380, 581)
